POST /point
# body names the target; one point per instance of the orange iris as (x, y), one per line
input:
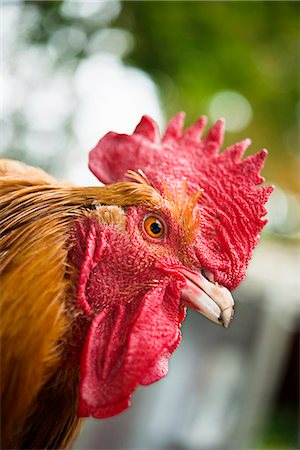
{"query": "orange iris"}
(154, 227)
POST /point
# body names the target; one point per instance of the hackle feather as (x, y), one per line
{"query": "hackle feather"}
(37, 315)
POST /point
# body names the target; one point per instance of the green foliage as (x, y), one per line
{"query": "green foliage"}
(282, 431)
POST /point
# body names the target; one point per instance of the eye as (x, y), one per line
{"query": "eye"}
(154, 227)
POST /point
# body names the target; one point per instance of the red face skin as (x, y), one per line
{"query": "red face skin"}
(129, 290)
(133, 262)
(232, 205)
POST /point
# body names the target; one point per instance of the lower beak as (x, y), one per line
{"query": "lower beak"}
(213, 301)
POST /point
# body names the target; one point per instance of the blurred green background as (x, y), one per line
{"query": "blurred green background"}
(195, 49)
(74, 70)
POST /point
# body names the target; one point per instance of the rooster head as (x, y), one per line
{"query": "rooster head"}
(179, 231)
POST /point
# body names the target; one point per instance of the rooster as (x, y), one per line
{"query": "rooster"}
(95, 281)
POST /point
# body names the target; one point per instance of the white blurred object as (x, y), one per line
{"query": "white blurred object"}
(284, 213)
(62, 110)
(111, 97)
(103, 11)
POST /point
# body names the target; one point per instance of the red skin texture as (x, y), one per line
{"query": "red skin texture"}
(129, 286)
(231, 207)
(129, 292)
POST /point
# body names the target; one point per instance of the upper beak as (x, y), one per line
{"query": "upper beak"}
(213, 301)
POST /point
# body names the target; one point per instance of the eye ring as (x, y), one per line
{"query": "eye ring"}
(154, 227)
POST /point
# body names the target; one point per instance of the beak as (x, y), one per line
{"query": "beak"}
(213, 301)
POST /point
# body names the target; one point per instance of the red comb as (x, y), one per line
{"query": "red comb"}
(232, 204)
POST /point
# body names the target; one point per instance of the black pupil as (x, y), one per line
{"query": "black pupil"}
(155, 227)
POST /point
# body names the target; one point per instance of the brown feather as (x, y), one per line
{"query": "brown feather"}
(39, 397)
(38, 393)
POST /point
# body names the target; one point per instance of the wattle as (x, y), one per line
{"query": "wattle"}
(128, 345)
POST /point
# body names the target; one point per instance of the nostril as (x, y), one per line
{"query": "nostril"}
(208, 275)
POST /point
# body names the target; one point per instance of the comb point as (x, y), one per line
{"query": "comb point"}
(216, 134)
(148, 128)
(235, 152)
(194, 132)
(264, 193)
(174, 128)
(253, 165)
